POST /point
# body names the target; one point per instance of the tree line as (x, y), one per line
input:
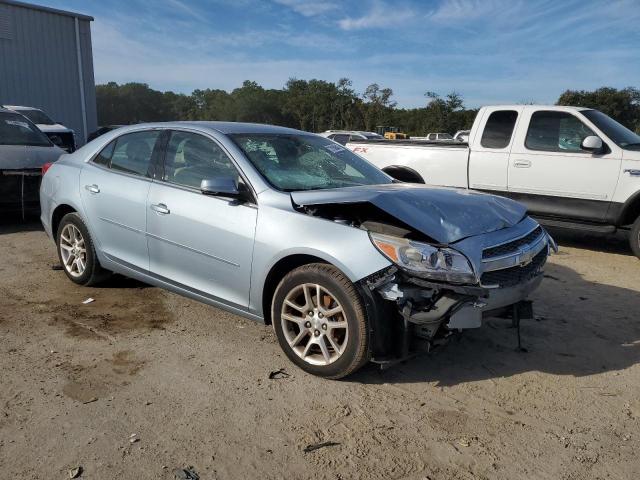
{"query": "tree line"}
(318, 105)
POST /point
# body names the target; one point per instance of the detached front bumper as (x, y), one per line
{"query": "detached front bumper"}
(470, 315)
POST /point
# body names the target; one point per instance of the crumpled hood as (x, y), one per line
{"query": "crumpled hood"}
(16, 157)
(444, 214)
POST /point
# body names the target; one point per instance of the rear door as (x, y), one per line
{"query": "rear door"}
(553, 176)
(200, 241)
(114, 187)
(489, 154)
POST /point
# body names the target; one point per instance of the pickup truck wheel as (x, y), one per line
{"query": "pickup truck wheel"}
(634, 238)
(76, 252)
(320, 321)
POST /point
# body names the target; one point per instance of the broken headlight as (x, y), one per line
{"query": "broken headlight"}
(424, 260)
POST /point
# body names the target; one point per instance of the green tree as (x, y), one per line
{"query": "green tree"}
(377, 106)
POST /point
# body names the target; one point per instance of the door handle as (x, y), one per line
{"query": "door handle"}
(522, 163)
(92, 188)
(160, 208)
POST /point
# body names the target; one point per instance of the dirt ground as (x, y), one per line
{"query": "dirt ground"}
(192, 383)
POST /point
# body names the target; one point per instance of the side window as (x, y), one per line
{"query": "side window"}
(192, 158)
(133, 151)
(356, 138)
(556, 132)
(104, 157)
(342, 139)
(498, 129)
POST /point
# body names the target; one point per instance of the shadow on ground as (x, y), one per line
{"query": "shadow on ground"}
(598, 242)
(10, 223)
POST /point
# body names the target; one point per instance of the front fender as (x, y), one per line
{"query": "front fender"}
(281, 233)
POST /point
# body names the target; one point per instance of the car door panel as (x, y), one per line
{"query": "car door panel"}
(200, 241)
(115, 201)
(489, 155)
(203, 242)
(551, 174)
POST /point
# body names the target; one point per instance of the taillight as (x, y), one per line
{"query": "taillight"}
(46, 167)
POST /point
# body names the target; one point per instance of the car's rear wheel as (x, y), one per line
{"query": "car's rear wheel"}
(76, 251)
(320, 321)
(634, 238)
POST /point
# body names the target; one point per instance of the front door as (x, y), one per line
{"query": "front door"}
(200, 241)
(114, 187)
(553, 176)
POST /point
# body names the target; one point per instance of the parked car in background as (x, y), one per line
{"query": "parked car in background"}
(437, 137)
(24, 152)
(292, 229)
(344, 136)
(101, 131)
(462, 136)
(573, 167)
(59, 134)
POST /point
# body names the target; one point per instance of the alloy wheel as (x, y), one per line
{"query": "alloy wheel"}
(73, 250)
(314, 324)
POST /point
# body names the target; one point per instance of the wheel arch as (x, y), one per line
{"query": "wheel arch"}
(278, 272)
(403, 174)
(58, 213)
(630, 210)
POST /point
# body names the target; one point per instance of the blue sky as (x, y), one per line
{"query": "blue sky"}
(490, 51)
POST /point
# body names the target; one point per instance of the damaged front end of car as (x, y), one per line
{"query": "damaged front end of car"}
(442, 280)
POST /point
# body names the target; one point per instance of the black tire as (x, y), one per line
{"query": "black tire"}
(93, 273)
(355, 353)
(634, 238)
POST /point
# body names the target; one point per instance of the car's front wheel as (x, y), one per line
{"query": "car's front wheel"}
(634, 238)
(320, 321)
(76, 251)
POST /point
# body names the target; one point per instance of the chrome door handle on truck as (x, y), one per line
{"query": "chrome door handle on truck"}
(522, 163)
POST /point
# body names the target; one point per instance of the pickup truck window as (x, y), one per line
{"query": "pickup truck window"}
(619, 134)
(556, 132)
(499, 128)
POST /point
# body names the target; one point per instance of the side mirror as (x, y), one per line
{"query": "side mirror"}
(223, 187)
(592, 144)
(56, 140)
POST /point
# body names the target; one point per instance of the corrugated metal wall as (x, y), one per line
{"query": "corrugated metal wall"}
(39, 65)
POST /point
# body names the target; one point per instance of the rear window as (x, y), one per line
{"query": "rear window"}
(37, 116)
(17, 130)
(499, 128)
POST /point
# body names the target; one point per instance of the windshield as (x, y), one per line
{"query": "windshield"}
(17, 130)
(619, 134)
(292, 162)
(37, 116)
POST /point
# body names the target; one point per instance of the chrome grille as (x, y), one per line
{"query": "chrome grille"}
(512, 247)
(509, 277)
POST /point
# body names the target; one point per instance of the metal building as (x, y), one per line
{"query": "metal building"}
(46, 62)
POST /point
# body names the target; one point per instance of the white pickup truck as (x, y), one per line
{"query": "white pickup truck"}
(572, 167)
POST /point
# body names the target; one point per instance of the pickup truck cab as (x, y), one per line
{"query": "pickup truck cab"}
(572, 167)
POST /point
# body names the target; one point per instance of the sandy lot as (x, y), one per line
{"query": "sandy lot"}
(192, 383)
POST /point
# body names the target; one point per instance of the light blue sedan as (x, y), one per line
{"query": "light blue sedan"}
(291, 229)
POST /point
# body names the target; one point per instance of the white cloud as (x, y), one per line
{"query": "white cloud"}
(380, 15)
(468, 10)
(308, 8)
